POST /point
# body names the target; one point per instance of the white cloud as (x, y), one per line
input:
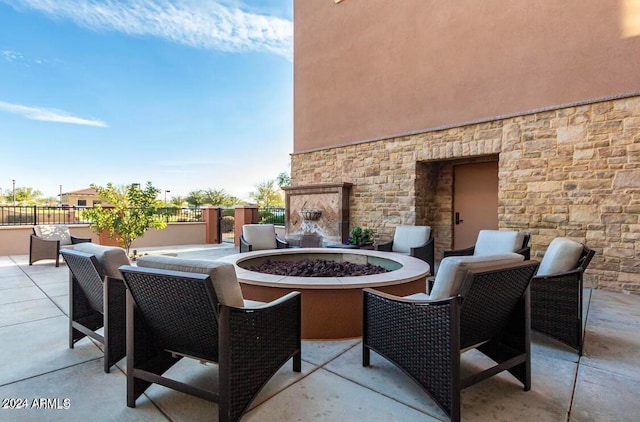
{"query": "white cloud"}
(11, 56)
(19, 58)
(205, 24)
(48, 115)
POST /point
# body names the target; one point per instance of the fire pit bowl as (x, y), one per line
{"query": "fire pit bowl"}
(331, 306)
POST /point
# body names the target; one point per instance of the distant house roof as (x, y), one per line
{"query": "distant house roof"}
(81, 192)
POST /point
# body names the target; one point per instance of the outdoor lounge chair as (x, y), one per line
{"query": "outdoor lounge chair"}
(425, 338)
(194, 308)
(47, 239)
(97, 298)
(557, 292)
(416, 241)
(257, 237)
(491, 242)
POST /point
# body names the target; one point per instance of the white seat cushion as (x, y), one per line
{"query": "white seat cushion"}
(453, 270)
(407, 237)
(562, 255)
(53, 232)
(252, 303)
(223, 275)
(109, 257)
(260, 236)
(419, 296)
(492, 242)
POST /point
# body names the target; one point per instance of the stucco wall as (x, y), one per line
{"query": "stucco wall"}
(375, 69)
(568, 172)
(14, 240)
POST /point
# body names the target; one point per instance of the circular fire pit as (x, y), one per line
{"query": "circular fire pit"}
(331, 306)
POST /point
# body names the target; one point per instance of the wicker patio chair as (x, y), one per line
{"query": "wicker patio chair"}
(47, 239)
(492, 242)
(416, 241)
(425, 338)
(256, 237)
(202, 315)
(557, 292)
(97, 298)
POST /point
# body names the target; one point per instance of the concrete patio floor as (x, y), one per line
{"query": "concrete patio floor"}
(35, 362)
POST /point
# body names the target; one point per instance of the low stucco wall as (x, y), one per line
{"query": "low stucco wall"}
(14, 240)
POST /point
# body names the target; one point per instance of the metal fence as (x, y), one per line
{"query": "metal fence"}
(271, 215)
(227, 225)
(182, 215)
(35, 214)
(268, 215)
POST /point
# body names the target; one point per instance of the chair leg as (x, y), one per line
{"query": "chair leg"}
(366, 354)
(297, 362)
(144, 360)
(114, 322)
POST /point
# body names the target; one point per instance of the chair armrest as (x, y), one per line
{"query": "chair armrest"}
(557, 306)
(254, 344)
(426, 253)
(43, 249)
(244, 246)
(281, 244)
(385, 247)
(558, 276)
(526, 252)
(271, 329)
(425, 333)
(275, 302)
(406, 300)
(75, 240)
(459, 252)
(42, 243)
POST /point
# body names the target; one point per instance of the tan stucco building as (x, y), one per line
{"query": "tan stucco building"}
(398, 98)
(80, 198)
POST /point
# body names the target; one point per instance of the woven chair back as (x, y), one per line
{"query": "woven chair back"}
(89, 275)
(179, 309)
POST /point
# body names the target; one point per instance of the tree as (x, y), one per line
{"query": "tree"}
(213, 197)
(195, 198)
(177, 201)
(267, 195)
(24, 196)
(218, 197)
(284, 179)
(130, 213)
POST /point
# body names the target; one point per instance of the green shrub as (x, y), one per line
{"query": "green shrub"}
(227, 224)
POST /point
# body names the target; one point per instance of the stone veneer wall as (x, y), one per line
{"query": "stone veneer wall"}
(572, 172)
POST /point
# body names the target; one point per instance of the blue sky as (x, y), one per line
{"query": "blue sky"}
(187, 94)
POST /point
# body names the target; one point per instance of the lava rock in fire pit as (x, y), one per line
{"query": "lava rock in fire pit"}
(317, 268)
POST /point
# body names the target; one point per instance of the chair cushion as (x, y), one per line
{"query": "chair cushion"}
(53, 232)
(223, 275)
(453, 270)
(492, 242)
(260, 236)
(407, 237)
(562, 255)
(419, 296)
(252, 303)
(110, 257)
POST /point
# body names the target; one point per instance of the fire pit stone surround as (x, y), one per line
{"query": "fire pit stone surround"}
(331, 306)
